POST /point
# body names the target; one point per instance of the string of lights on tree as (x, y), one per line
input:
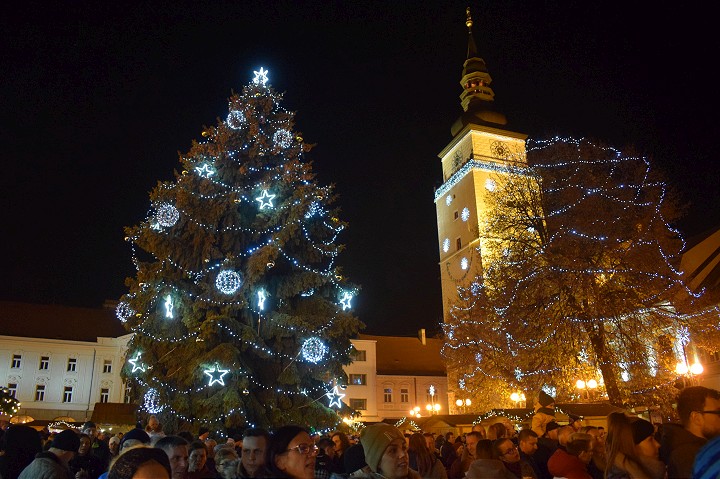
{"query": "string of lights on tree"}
(239, 313)
(595, 201)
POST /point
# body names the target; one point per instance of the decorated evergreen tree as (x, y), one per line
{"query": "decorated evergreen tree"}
(240, 314)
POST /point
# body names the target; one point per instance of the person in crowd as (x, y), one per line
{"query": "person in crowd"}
(341, 444)
(197, 462)
(20, 445)
(527, 446)
(210, 444)
(496, 431)
(386, 452)
(572, 460)
(132, 439)
(563, 436)
(291, 453)
(448, 453)
(597, 465)
(467, 456)
(487, 465)
(326, 463)
(53, 463)
(707, 461)
(253, 458)
(141, 462)
(699, 411)
(547, 445)
(430, 443)
(87, 464)
(544, 413)
(481, 429)
(575, 422)
(354, 461)
(177, 452)
(154, 429)
(506, 450)
(227, 462)
(647, 448)
(426, 463)
(203, 434)
(625, 459)
(114, 446)
(98, 448)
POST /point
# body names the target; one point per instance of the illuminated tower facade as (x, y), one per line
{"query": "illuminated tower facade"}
(481, 151)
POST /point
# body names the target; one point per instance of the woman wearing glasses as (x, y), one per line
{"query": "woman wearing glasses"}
(291, 453)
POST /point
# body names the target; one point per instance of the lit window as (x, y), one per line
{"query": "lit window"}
(68, 394)
(12, 389)
(44, 363)
(358, 379)
(358, 404)
(107, 366)
(40, 392)
(404, 395)
(72, 365)
(105, 395)
(387, 395)
(359, 355)
(16, 361)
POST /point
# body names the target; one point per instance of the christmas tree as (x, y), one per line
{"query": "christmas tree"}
(241, 316)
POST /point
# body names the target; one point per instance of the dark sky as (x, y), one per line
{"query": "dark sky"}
(98, 98)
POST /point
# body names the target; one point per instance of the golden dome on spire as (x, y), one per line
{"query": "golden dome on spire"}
(468, 19)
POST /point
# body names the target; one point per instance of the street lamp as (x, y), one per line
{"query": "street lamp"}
(433, 408)
(415, 412)
(463, 404)
(587, 387)
(689, 373)
(518, 398)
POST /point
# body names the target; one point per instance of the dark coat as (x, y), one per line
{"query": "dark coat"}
(678, 449)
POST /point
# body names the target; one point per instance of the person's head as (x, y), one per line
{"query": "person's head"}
(141, 462)
(226, 461)
(197, 456)
(210, 446)
(385, 450)
(528, 441)
(341, 442)
(292, 453)
(496, 431)
(699, 411)
(481, 429)
(551, 430)
(326, 446)
(114, 445)
(21, 444)
(563, 434)
(506, 450)
(643, 434)
(546, 400)
(203, 433)
(90, 428)
(580, 444)
(449, 437)
(65, 445)
(135, 437)
(153, 421)
(254, 449)
(471, 440)
(620, 437)
(429, 441)
(484, 449)
(85, 444)
(177, 452)
(575, 422)
(354, 460)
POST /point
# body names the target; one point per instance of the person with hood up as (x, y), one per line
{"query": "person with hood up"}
(386, 452)
(544, 413)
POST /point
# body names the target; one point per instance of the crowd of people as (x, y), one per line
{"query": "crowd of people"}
(628, 448)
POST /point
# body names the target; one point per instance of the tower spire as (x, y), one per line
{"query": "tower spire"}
(477, 96)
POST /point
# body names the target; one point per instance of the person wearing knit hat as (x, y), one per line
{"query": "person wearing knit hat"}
(386, 452)
(53, 463)
(135, 437)
(354, 460)
(544, 413)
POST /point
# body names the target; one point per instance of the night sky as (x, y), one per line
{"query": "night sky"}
(99, 97)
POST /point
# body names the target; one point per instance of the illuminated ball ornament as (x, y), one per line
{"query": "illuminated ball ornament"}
(313, 350)
(123, 311)
(282, 138)
(151, 401)
(236, 119)
(167, 215)
(228, 281)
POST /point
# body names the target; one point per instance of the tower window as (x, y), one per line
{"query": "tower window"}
(458, 243)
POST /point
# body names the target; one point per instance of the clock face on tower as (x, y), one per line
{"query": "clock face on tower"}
(499, 149)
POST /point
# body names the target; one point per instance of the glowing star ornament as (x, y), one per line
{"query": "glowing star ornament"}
(169, 307)
(136, 364)
(313, 350)
(167, 215)
(228, 281)
(205, 171)
(335, 398)
(260, 77)
(261, 300)
(123, 311)
(216, 375)
(345, 300)
(265, 199)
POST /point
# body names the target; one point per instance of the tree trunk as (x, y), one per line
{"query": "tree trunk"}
(596, 333)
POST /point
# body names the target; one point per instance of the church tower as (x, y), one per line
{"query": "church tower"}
(481, 151)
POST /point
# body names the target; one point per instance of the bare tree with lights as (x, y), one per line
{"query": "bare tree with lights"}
(580, 279)
(241, 316)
